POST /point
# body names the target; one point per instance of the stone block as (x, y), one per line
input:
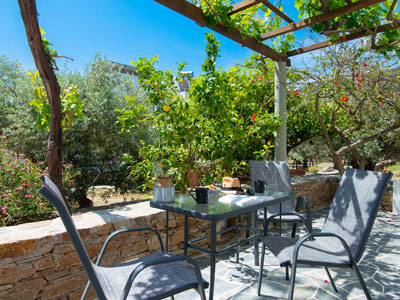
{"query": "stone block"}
(66, 261)
(13, 273)
(103, 230)
(55, 275)
(29, 289)
(43, 263)
(129, 249)
(17, 249)
(177, 236)
(63, 286)
(63, 248)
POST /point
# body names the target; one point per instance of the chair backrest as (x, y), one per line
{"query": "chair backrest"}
(354, 207)
(51, 192)
(277, 176)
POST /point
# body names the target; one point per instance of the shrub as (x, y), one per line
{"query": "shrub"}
(19, 184)
(313, 170)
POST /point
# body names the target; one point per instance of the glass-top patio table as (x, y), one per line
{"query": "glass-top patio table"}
(215, 211)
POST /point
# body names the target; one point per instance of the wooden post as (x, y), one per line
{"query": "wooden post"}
(46, 71)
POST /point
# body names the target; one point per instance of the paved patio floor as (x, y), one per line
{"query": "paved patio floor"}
(380, 267)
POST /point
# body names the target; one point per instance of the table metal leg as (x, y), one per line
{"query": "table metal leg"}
(238, 238)
(248, 224)
(265, 222)
(186, 234)
(166, 232)
(212, 255)
(280, 218)
(256, 250)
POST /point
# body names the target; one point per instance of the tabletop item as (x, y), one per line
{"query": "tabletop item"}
(229, 183)
(244, 200)
(249, 192)
(212, 189)
(259, 186)
(240, 192)
(201, 195)
(164, 190)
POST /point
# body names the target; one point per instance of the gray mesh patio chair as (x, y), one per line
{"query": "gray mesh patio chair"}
(344, 234)
(155, 276)
(277, 176)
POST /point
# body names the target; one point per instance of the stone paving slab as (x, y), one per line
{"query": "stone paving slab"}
(380, 267)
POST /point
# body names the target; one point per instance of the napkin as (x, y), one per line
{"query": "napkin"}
(243, 200)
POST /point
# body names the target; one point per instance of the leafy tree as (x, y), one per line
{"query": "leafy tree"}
(361, 90)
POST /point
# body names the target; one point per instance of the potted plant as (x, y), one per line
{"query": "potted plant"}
(164, 189)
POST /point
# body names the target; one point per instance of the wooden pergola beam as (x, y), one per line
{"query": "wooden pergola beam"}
(245, 4)
(348, 37)
(238, 7)
(320, 18)
(196, 14)
(276, 10)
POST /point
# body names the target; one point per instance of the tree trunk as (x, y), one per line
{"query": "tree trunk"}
(46, 71)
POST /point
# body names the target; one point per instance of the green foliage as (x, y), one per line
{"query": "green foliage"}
(51, 53)
(222, 120)
(71, 104)
(386, 42)
(94, 145)
(258, 19)
(313, 170)
(19, 185)
(251, 22)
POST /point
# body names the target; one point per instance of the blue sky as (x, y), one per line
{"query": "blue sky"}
(120, 30)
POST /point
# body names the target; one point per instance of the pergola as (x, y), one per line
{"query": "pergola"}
(196, 14)
(44, 60)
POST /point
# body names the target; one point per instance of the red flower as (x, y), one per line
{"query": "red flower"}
(380, 102)
(336, 83)
(349, 110)
(359, 85)
(364, 65)
(361, 79)
(254, 117)
(342, 38)
(260, 77)
(357, 75)
(362, 42)
(371, 124)
(345, 99)
(296, 92)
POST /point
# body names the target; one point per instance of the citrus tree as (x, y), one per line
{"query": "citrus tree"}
(222, 118)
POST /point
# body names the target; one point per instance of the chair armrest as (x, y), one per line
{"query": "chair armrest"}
(159, 261)
(124, 230)
(312, 235)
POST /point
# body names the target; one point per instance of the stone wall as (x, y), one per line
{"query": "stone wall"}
(38, 261)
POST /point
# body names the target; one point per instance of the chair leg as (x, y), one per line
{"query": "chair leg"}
(202, 294)
(294, 227)
(261, 270)
(331, 280)
(172, 298)
(364, 287)
(287, 272)
(292, 280)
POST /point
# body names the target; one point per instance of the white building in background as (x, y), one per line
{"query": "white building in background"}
(131, 70)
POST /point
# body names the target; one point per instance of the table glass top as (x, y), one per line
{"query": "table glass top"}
(185, 202)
